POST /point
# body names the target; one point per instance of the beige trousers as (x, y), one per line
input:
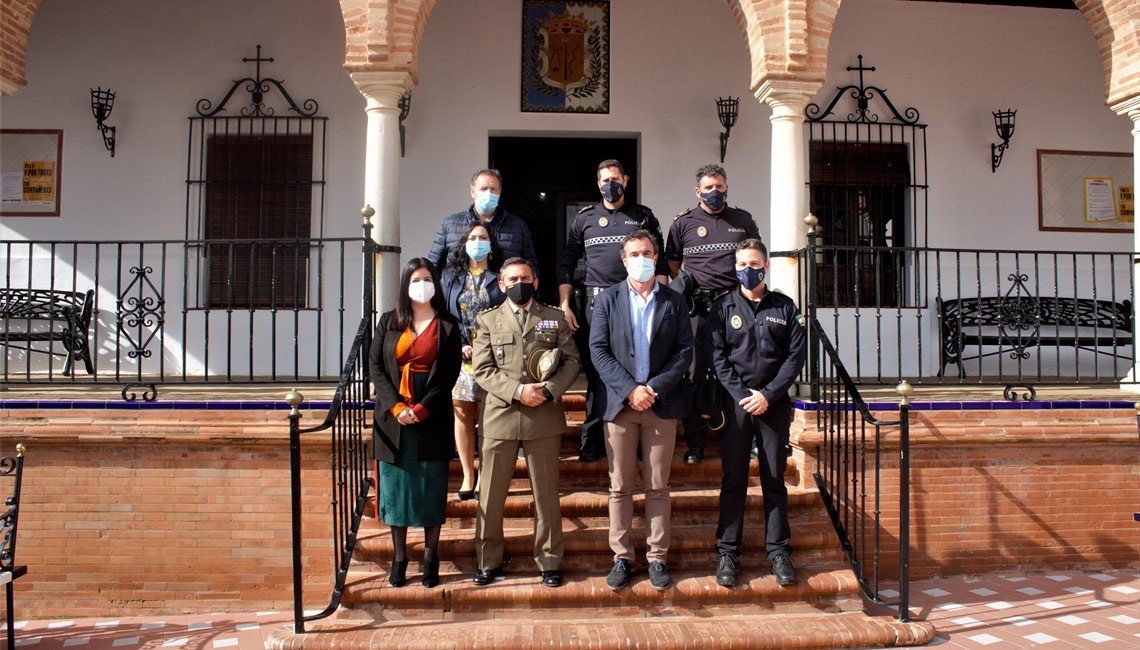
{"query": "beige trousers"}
(657, 437)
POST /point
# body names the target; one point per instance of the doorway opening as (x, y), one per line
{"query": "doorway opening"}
(546, 180)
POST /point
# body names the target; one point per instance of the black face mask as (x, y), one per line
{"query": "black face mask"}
(613, 191)
(714, 199)
(520, 293)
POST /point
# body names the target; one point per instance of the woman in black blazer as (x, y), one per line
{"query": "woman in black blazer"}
(414, 361)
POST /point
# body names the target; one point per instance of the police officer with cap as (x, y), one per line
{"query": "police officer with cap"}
(704, 240)
(596, 235)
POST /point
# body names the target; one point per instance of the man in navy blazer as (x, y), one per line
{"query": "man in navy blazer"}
(642, 345)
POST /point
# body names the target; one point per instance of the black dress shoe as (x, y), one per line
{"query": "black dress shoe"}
(783, 569)
(587, 455)
(484, 577)
(397, 576)
(466, 495)
(694, 456)
(552, 578)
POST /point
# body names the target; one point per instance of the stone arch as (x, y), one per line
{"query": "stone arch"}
(384, 35)
(1115, 25)
(17, 15)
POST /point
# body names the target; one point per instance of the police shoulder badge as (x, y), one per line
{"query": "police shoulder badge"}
(736, 321)
(603, 222)
(702, 231)
(800, 320)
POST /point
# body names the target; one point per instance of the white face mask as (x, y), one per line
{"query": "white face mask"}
(640, 268)
(421, 291)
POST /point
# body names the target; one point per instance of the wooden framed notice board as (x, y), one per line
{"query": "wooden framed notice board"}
(1085, 191)
(31, 163)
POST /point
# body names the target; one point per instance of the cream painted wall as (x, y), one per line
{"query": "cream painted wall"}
(670, 60)
(956, 64)
(161, 58)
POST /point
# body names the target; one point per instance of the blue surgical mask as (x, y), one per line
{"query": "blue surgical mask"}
(714, 199)
(486, 201)
(749, 277)
(478, 249)
(640, 268)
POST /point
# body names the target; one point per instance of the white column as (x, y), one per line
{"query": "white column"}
(383, 90)
(787, 100)
(1131, 108)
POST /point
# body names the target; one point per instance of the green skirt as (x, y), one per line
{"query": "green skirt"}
(413, 493)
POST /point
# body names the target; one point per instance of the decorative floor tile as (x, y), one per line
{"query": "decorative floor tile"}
(999, 605)
(888, 593)
(242, 627)
(1073, 620)
(204, 625)
(106, 624)
(1124, 619)
(1049, 604)
(1078, 591)
(1019, 621)
(949, 606)
(966, 621)
(58, 624)
(1103, 577)
(129, 640)
(983, 592)
(153, 625)
(1031, 591)
(225, 643)
(76, 641)
(936, 592)
(31, 640)
(1125, 589)
(1041, 637)
(1099, 604)
(174, 643)
(1016, 579)
(1059, 578)
(1097, 637)
(984, 639)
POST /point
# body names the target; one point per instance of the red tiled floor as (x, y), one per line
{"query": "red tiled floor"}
(1056, 610)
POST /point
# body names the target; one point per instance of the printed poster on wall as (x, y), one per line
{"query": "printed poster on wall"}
(1126, 199)
(30, 167)
(1100, 202)
(566, 56)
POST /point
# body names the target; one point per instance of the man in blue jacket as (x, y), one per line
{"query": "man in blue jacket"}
(642, 345)
(510, 230)
(758, 342)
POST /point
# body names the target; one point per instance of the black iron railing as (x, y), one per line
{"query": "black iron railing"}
(856, 479)
(976, 316)
(227, 311)
(348, 420)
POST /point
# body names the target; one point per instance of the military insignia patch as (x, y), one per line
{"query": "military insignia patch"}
(737, 322)
(603, 222)
(702, 232)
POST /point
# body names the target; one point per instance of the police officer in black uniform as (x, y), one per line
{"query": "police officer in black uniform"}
(597, 234)
(758, 341)
(704, 239)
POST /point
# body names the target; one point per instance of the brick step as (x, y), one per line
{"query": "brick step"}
(591, 508)
(692, 546)
(830, 587)
(645, 632)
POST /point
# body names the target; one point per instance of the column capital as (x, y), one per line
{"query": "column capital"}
(382, 87)
(787, 96)
(1129, 107)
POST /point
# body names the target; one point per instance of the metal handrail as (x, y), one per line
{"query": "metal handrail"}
(348, 417)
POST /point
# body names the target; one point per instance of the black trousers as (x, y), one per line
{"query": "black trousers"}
(696, 427)
(772, 430)
(593, 435)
